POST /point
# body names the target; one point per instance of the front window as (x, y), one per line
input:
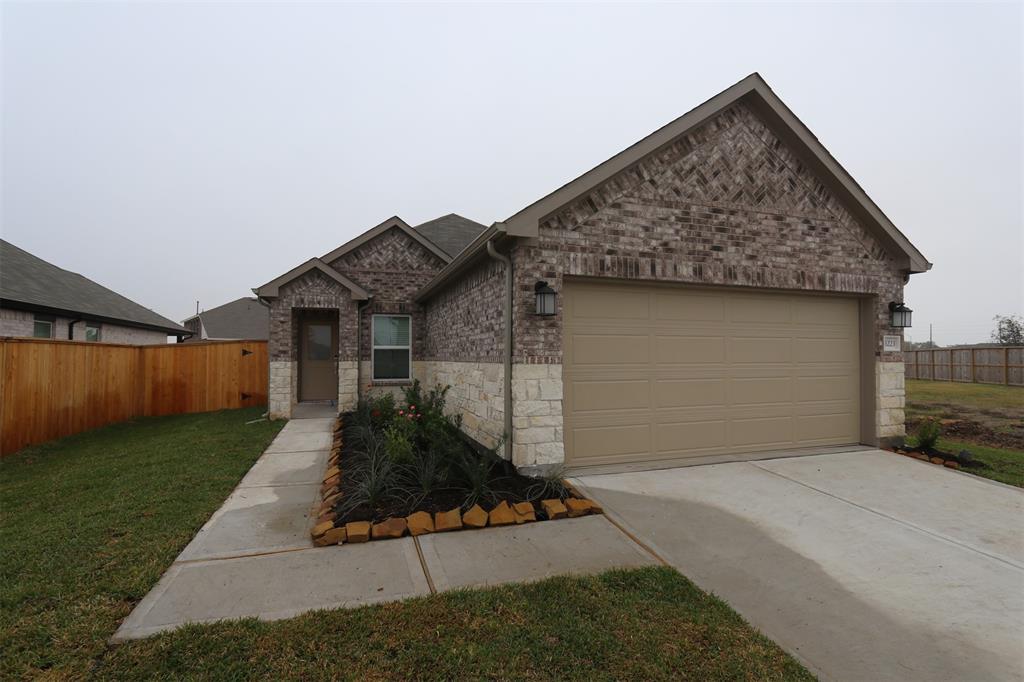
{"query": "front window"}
(92, 332)
(392, 347)
(42, 328)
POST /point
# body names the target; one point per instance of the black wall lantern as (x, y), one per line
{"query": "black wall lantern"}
(545, 298)
(899, 315)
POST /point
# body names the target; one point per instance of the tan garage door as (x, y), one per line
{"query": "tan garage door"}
(658, 373)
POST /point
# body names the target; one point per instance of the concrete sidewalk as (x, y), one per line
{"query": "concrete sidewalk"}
(254, 557)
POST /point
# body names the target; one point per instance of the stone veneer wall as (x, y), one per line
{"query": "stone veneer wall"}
(727, 204)
(477, 393)
(890, 387)
(537, 416)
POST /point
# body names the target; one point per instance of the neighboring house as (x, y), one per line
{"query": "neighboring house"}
(38, 299)
(721, 289)
(243, 319)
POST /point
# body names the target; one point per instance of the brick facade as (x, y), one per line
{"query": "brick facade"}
(391, 267)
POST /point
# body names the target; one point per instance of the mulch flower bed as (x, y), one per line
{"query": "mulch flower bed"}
(398, 469)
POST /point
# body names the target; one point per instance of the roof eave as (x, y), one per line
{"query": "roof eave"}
(85, 315)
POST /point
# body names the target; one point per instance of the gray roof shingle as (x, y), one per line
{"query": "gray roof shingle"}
(451, 232)
(31, 281)
(245, 318)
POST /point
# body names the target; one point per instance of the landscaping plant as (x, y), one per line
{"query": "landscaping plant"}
(409, 455)
(928, 435)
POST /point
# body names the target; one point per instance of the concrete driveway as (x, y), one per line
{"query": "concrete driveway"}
(865, 565)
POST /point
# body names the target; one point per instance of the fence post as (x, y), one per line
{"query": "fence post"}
(1006, 366)
(973, 376)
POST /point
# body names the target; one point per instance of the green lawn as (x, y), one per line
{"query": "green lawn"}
(998, 410)
(89, 523)
(1005, 466)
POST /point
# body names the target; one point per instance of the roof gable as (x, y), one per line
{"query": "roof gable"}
(272, 288)
(754, 92)
(27, 280)
(393, 222)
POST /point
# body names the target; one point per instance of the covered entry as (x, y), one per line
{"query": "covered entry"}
(667, 372)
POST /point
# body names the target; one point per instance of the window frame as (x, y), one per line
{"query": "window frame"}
(374, 348)
(48, 319)
(99, 332)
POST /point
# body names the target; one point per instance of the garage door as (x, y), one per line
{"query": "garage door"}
(658, 373)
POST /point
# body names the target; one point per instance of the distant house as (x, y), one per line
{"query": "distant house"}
(245, 318)
(39, 299)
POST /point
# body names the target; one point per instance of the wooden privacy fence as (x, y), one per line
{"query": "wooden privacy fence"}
(56, 388)
(989, 365)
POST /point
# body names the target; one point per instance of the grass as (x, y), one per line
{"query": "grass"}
(1005, 466)
(90, 522)
(639, 624)
(999, 409)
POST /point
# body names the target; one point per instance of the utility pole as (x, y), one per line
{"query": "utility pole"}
(929, 328)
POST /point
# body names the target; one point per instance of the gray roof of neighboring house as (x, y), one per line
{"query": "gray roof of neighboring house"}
(451, 232)
(30, 282)
(245, 318)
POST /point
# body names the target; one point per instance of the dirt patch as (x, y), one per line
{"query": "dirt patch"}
(976, 432)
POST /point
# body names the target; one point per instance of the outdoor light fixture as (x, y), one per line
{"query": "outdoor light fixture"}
(899, 315)
(545, 298)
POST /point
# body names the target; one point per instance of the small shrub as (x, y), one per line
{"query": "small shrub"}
(474, 474)
(398, 438)
(549, 486)
(424, 475)
(928, 434)
(374, 481)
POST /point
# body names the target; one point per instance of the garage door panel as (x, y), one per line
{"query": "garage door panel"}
(697, 308)
(758, 309)
(759, 350)
(761, 431)
(826, 349)
(746, 391)
(819, 388)
(688, 349)
(624, 441)
(824, 427)
(596, 396)
(684, 436)
(823, 311)
(690, 373)
(609, 349)
(612, 304)
(688, 392)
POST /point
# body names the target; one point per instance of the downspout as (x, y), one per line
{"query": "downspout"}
(507, 345)
(71, 328)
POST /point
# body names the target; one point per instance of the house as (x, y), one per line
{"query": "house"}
(719, 290)
(242, 319)
(39, 299)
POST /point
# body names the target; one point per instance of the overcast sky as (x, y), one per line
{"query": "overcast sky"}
(177, 152)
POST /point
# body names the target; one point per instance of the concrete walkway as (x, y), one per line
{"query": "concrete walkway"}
(864, 565)
(254, 557)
